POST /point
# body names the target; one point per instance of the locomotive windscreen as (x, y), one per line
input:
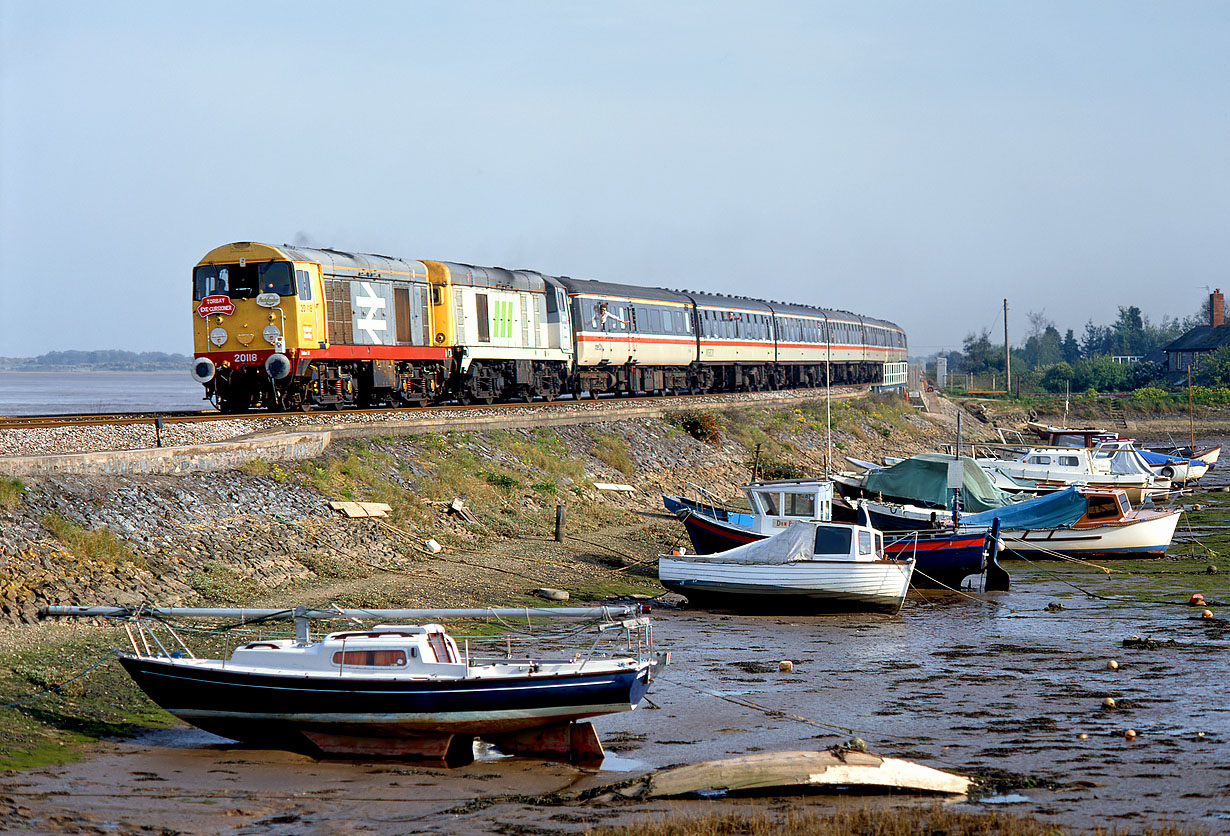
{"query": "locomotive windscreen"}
(243, 282)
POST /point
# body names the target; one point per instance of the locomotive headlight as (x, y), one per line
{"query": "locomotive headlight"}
(271, 334)
(217, 336)
(203, 370)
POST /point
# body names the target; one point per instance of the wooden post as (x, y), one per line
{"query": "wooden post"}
(559, 523)
(1007, 353)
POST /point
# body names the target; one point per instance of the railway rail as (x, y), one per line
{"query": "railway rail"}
(605, 405)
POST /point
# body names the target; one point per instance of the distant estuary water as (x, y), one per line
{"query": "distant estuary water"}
(34, 393)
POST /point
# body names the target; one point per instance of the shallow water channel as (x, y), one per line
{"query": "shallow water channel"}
(981, 684)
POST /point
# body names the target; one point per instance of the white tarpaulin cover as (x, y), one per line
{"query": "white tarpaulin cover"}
(798, 542)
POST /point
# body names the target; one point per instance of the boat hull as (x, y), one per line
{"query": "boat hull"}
(941, 559)
(1145, 536)
(286, 710)
(802, 586)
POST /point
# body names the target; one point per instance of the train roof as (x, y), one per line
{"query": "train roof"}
(720, 300)
(255, 251)
(590, 287)
(500, 278)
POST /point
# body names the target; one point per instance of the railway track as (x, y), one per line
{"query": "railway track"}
(605, 404)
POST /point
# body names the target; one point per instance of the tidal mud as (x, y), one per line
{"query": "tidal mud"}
(998, 686)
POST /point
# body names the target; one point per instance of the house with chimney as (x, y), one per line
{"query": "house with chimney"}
(1185, 352)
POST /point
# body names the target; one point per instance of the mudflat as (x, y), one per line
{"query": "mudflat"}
(999, 685)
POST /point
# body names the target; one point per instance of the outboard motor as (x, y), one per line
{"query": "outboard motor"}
(203, 370)
(277, 366)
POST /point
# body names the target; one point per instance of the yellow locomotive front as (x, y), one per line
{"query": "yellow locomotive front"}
(256, 312)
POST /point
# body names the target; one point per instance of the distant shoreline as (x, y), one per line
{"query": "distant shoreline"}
(111, 360)
(99, 368)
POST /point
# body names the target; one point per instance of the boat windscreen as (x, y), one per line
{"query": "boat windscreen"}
(832, 540)
(800, 505)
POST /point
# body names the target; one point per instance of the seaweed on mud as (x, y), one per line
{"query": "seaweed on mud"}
(755, 667)
(993, 781)
(1026, 650)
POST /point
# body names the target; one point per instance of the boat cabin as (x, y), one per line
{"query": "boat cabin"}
(388, 649)
(1104, 506)
(780, 504)
(851, 542)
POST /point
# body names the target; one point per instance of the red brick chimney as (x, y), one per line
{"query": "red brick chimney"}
(1217, 308)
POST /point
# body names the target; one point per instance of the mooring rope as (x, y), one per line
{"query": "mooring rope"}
(67, 682)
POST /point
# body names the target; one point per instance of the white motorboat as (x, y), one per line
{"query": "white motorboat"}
(1042, 469)
(809, 567)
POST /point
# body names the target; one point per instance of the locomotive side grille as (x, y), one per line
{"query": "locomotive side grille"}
(341, 328)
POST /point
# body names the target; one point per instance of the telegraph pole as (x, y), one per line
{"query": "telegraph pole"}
(1007, 354)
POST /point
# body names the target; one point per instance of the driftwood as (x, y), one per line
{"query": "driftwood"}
(361, 509)
(773, 770)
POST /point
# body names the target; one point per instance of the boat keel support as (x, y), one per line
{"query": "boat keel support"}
(575, 742)
(448, 749)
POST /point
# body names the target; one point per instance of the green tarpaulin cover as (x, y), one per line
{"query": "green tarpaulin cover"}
(924, 478)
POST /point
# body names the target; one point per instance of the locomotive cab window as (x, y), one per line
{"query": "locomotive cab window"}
(304, 285)
(243, 282)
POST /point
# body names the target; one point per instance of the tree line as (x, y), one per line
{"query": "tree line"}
(1056, 363)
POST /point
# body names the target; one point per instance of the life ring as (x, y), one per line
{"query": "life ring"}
(1033, 415)
(1168, 472)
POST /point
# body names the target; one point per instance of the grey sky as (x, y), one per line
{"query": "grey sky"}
(916, 161)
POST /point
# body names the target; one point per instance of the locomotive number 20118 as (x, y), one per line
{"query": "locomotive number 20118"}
(249, 357)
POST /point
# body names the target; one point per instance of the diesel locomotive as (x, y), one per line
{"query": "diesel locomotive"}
(300, 328)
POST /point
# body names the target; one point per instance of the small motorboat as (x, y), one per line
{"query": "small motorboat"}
(1179, 470)
(944, 557)
(810, 567)
(1074, 522)
(404, 690)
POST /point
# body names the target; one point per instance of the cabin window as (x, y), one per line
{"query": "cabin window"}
(769, 500)
(1039, 459)
(801, 505)
(832, 540)
(371, 658)
(1069, 461)
(864, 542)
(1102, 507)
(244, 282)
